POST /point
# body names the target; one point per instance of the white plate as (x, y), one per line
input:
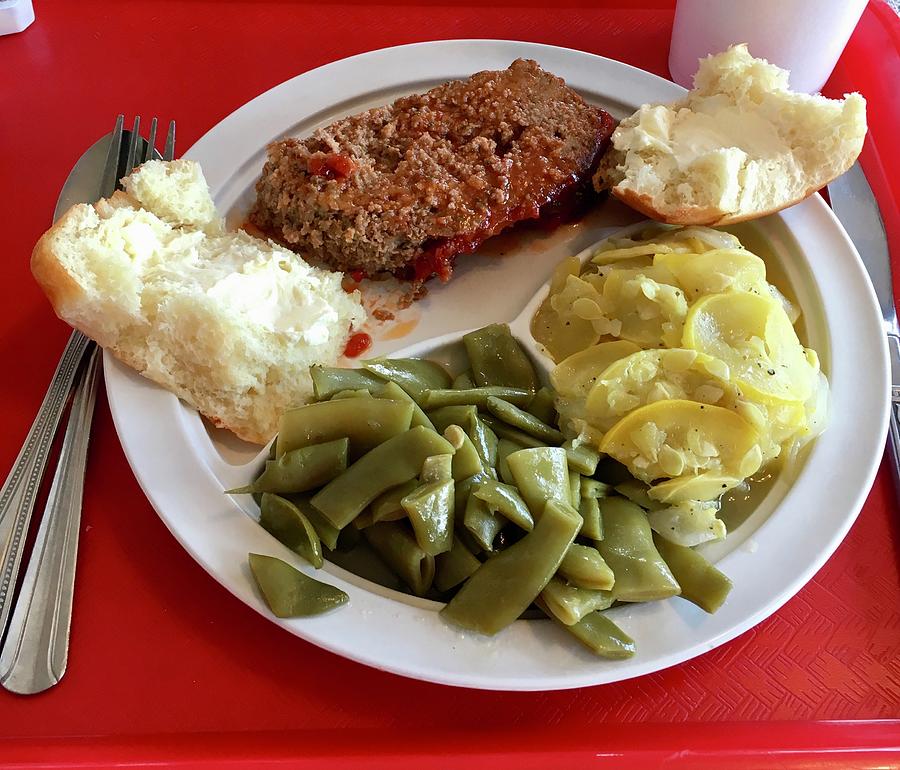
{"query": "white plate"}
(183, 468)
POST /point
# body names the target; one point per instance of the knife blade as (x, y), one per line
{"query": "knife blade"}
(854, 204)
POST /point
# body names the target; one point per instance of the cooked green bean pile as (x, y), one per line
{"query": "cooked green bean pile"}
(467, 490)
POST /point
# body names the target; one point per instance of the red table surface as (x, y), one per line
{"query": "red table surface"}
(167, 667)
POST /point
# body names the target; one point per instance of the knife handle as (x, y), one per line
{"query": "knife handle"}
(893, 344)
(894, 439)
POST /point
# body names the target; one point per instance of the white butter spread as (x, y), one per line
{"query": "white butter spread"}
(281, 297)
(687, 135)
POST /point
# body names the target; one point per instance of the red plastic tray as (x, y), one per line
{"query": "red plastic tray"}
(166, 667)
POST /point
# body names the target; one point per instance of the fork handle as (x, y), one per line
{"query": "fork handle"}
(19, 491)
(35, 653)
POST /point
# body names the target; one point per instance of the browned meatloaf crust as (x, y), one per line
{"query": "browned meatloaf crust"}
(406, 187)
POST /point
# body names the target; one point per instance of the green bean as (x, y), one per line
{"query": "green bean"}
(582, 458)
(485, 441)
(481, 522)
(594, 488)
(387, 507)
(542, 406)
(446, 416)
(569, 603)
(575, 488)
(365, 563)
(463, 381)
(345, 394)
(454, 566)
(395, 544)
(397, 460)
(329, 380)
(541, 475)
(701, 583)
(636, 491)
(627, 547)
(467, 538)
(501, 589)
(600, 635)
(393, 391)
(288, 592)
(519, 418)
(463, 490)
(466, 461)
(327, 532)
(590, 514)
(584, 567)
(498, 359)
(505, 500)
(366, 519)
(414, 375)
(512, 434)
(430, 511)
(505, 448)
(366, 422)
(435, 399)
(437, 468)
(287, 524)
(300, 469)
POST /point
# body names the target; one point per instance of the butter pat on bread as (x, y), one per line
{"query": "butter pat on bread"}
(227, 322)
(739, 146)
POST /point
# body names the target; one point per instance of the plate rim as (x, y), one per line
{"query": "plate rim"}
(121, 387)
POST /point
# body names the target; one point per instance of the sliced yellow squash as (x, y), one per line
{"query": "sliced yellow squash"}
(576, 375)
(656, 375)
(777, 422)
(753, 335)
(611, 256)
(705, 486)
(715, 271)
(670, 439)
(688, 523)
(646, 304)
(554, 325)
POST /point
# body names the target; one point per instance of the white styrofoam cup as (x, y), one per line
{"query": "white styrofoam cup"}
(803, 36)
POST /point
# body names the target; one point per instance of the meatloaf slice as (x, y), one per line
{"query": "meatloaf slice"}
(406, 187)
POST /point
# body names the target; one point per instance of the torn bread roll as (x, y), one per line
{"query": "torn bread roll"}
(739, 146)
(227, 322)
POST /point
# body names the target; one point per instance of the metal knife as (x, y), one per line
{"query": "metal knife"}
(855, 206)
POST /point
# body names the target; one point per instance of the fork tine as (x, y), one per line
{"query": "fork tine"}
(132, 147)
(108, 180)
(151, 142)
(169, 152)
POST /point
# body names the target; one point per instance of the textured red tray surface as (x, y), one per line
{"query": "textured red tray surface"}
(166, 666)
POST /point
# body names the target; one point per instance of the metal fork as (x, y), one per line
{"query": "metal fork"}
(35, 652)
